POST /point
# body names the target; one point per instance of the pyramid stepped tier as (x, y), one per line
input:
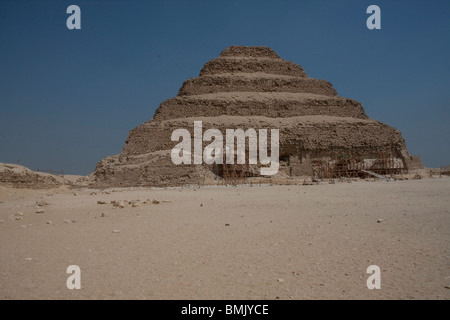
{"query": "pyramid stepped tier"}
(252, 65)
(255, 82)
(249, 52)
(252, 87)
(268, 104)
(312, 134)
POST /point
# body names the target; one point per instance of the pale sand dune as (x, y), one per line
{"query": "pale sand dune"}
(290, 242)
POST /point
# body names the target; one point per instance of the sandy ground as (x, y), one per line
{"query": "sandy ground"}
(259, 242)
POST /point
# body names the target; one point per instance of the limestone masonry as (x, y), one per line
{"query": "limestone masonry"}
(321, 133)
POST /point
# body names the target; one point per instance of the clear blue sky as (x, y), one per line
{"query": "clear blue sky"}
(68, 98)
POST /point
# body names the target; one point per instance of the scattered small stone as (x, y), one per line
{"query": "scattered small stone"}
(119, 204)
(18, 218)
(380, 220)
(19, 214)
(116, 231)
(1, 221)
(40, 211)
(67, 221)
(201, 204)
(93, 193)
(105, 214)
(227, 224)
(49, 222)
(74, 221)
(155, 201)
(447, 287)
(101, 202)
(41, 203)
(28, 259)
(136, 204)
(280, 280)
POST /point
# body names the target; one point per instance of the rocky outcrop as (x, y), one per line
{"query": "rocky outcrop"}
(16, 176)
(252, 87)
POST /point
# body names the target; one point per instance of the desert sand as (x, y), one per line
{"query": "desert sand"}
(228, 242)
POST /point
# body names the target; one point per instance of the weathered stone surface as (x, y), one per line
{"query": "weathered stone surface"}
(267, 104)
(17, 176)
(252, 87)
(252, 65)
(255, 82)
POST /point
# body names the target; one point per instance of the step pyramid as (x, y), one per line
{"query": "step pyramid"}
(252, 87)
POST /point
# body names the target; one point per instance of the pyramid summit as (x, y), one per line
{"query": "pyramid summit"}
(320, 133)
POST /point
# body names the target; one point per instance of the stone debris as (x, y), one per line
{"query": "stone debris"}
(41, 203)
(380, 220)
(40, 211)
(101, 202)
(136, 204)
(118, 204)
(105, 214)
(116, 231)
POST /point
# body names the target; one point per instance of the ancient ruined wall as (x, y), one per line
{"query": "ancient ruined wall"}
(17, 176)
